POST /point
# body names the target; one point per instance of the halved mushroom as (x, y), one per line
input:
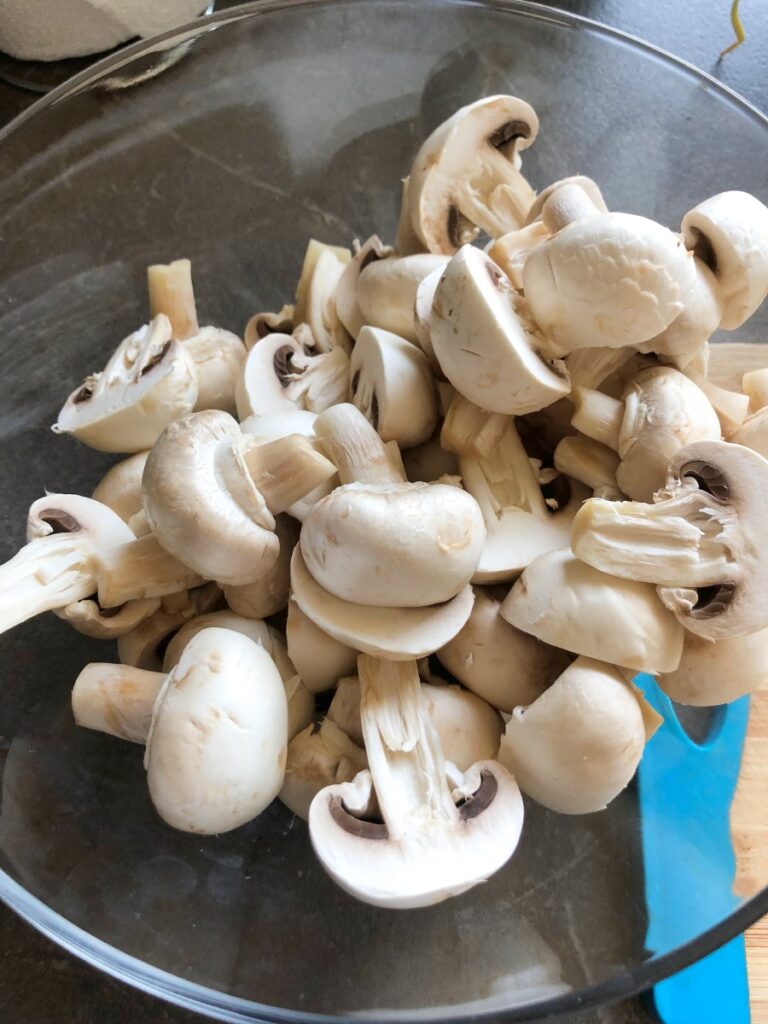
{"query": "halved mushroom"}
(263, 324)
(422, 317)
(269, 594)
(427, 848)
(483, 344)
(468, 728)
(216, 743)
(143, 646)
(321, 755)
(316, 295)
(526, 510)
(662, 411)
(120, 487)
(604, 279)
(577, 746)
(569, 604)
(391, 384)
(211, 494)
(466, 177)
(387, 288)
(499, 663)
(148, 382)
(700, 542)
(591, 463)
(319, 659)
(217, 354)
(347, 305)
(79, 548)
(729, 233)
(718, 673)
(283, 372)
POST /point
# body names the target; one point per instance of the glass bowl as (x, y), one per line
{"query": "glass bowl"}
(285, 121)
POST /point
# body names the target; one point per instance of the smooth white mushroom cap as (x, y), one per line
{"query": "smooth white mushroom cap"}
(216, 750)
(319, 659)
(218, 356)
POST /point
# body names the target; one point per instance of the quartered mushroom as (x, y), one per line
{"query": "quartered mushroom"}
(711, 674)
(387, 288)
(120, 487)
(75, 553)
(347, 305)
(604, 279)
(569, 604)
(527, 510)
(217, 354)
(217, 738)
(144, 646)
(466, 176)
(578, 745)
(484, 343)
(269, 594)
(593, 464)
(319, 659)
(149, 381)
(263, 324)
(285, 372)
(501, 664)
(441, 832)
(211, 494)
(701, 541)
(316, 295)
(661, 412)
(321, 755)
(729, 233)
(391, 384)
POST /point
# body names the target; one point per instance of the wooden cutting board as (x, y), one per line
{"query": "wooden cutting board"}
(749, 829)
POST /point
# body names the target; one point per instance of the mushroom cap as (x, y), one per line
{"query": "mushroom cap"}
(320, 660)
(737, 477)
(391, 384)
(362, 858)
(400, 545)
(585, 184)
(568, 604)
(481, 341)
(218, 356)
(611, 280)
(318, 757)
(347, 307)
(499, 663)
(468, 153)
(579, 744)
(120, 487)
(682, 341)
(262, 634)
(269, 594)
(148, 382)
(394, 634)
(386, 291)
(264, 383)
(202, 504)
(729, 232)
(663, 412)
(217, 745)
(716, 673)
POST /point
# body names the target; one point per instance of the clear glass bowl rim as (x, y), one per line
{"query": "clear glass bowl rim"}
(220, 1005)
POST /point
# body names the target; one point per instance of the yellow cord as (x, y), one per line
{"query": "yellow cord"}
(738, 28)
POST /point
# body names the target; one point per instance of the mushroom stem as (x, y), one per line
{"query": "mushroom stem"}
(510, 251)
(754, 384)
(590, 463)
(171, 293)
(597, 415)
(49, 572)
(688, 540)
(357, 451)
(116, 699)
(567, 204)
(507, 204)
(139, 569)
(287, 469)
(471, 431)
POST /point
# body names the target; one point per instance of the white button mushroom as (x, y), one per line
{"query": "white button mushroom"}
(387, 289)
(466, 177)
(211, 494)
(120, 487)
(581, 182)
(511, 251)
(501, 664)
(319, 756)
(610, 279)
(148, 382)
(700, 542)
(684, 342)
(578, 745)
(217, 354)
(216, 745)
(347, 305)
(263, 324)
(482, 340)
(569, 604)
(319, 659)
(661, 412)
(316, 295)
(710, 673)
(427, 849)
(729, 233)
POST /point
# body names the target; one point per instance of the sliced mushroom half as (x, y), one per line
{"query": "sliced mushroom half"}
(316, 295)
(387, 288)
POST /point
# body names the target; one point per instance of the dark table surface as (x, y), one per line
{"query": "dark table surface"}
(39, 984)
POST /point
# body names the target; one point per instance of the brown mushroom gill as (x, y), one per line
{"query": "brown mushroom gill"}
(83, 395)
(711, 601)
(285, 371)
(511, 131)
(703, 249)
(708, 478)
(156, 359)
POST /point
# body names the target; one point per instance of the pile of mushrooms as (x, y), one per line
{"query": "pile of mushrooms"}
(396, 556)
